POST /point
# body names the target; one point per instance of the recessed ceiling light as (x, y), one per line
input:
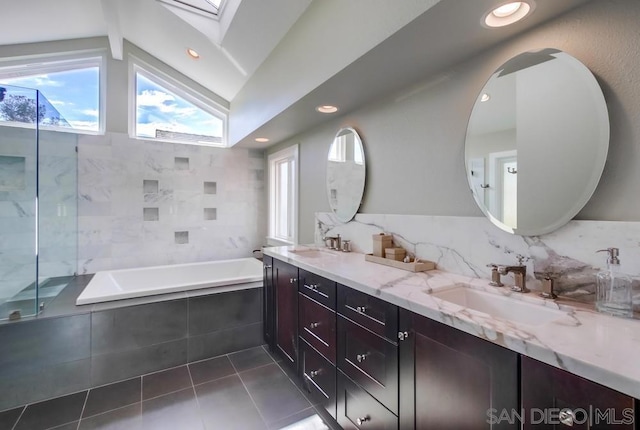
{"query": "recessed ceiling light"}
(508, 13)
(193, 53)
(261, 139)
(327, 109)
(485, 97)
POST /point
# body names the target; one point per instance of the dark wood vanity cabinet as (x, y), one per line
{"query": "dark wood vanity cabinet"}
(452, 380)
(555, 399)
(285, 285)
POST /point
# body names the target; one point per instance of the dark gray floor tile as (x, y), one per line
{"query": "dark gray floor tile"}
(274, 394)
(250, 358)
(109, 368)
(8, 418)
(209, 370)
(225, 341)
(113, 396)
(225, 404)
(224, 311)
(43, 342)
(173, 411)
(165, 382)
(135, 327)
(52, 413)
(307, 415)
(127, 418)
(44, 383)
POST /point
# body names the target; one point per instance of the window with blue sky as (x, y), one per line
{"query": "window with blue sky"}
(70, 90)
(162, 113)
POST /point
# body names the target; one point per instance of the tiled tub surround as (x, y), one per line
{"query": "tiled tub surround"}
(144, 203)
(465, 245)
(601, 348)
(73, 348)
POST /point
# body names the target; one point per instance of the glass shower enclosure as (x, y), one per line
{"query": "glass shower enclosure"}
(38, 204)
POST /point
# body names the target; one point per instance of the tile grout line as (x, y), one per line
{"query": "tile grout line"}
(84, 405)
(24, 408)
(249, 394)
(193, 388)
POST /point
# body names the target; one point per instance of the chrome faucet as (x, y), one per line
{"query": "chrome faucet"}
(495, 276)
(335, 241)
(548, 286)
(519, 275)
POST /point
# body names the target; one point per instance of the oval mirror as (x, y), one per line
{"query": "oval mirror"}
(345, 174)
(537, 142)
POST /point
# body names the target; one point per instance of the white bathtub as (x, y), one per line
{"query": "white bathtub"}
(148, 281)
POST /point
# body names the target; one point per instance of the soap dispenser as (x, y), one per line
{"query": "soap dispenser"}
(613, 288)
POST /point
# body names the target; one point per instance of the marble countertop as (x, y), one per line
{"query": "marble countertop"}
(597, 347)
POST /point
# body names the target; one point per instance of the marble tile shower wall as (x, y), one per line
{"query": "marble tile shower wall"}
(465, 245)
(145, 203)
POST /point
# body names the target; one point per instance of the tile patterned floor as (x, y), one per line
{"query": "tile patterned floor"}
(246, 390)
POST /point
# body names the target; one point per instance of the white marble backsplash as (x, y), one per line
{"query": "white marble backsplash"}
(465, 245)
(119, 177)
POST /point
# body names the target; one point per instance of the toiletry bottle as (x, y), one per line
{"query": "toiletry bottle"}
(613, 288)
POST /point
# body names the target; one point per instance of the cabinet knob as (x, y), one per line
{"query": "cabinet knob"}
(314, 373)
(362, 309)
(403, 335)
(293, 280)
(361, 357)
(567, 416)
(362, 420)
(314, 325)
(314, 287)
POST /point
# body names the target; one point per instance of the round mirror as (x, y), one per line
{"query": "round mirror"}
(537, 142)
(345, 174)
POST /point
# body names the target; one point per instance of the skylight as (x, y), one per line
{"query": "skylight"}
(206, 7)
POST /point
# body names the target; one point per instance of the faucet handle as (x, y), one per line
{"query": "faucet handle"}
(548, 284)
(521, 259)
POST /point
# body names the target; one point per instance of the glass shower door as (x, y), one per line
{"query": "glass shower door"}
(18, 201)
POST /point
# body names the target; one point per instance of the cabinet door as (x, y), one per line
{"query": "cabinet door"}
(452, 380)
(554, 399)
(285, 279)
(268, 308)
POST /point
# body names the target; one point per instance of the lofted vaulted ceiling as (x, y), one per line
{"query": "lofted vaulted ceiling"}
(275, 60)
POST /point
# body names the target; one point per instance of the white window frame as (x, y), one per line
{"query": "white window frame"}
(288, 154)
(136, 65)
(60, 62)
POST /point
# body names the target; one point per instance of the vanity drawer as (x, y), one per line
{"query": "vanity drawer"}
(377, 315)
(318, 288)
(317, 325)
(357, 410)
(369, 360)
(318, 377)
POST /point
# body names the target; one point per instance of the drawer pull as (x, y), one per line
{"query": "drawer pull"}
(567, 416)
(267, 266)
(403, 335)
(313, 287)
(361, 357)
(314, 325)
(314, 373)
(362, 309)
(363, 420)
(293, 280)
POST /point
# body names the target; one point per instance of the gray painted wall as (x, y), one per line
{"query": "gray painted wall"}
(414, 141)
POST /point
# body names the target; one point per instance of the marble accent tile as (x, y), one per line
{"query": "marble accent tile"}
(150, 214)
(210, 214)
(150, 186)
(465, 245)
(181, 237)
(210, 187)
(181, 163)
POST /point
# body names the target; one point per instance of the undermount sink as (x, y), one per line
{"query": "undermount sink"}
(313, 252)
(501, 307)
